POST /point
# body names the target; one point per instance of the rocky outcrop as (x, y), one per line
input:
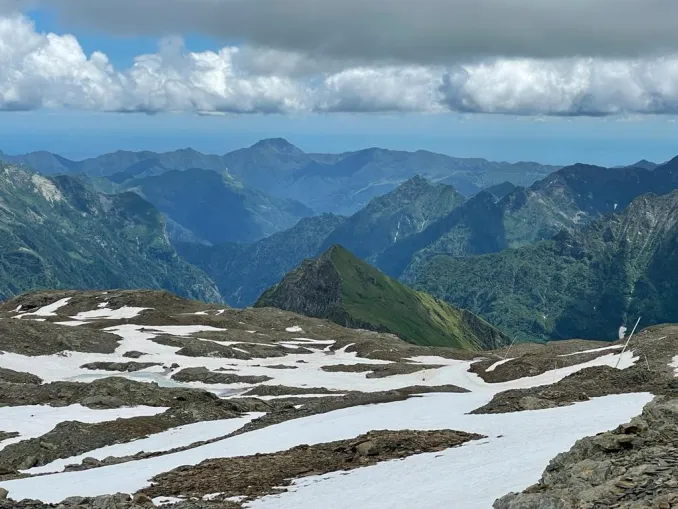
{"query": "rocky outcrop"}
(117, 501)
(112, 392)
(635, 466)
(263, 474)
(18, 377)
(206, 376)
(581, 386)
(128, 367)
(29, 337)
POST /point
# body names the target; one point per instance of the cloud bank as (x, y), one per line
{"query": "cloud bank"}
(52, 71)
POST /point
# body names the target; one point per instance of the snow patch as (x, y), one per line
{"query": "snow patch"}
(212, 496)
(36, 420)
(296, 328)
(164, 441)
(467, 477)
(167, 500)
(48, 310)
(614, 347)
(122, 313)
(499, 363)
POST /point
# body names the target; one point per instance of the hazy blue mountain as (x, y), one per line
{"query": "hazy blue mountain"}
(391, 218)
(565, 200)
(243, 271)
(501, 190)
(215, 207)
(57, 232)
(475, 227)
(645, 164)
(340, 183)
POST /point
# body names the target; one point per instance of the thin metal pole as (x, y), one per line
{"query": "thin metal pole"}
(627, 343)
(510, 346)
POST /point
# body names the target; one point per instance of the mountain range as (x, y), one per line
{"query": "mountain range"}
(57, 232)
(214, 207)
(529, 260)
(584, 283)
(565, 200)
(338, 183)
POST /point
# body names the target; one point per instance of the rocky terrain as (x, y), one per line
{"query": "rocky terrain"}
(139, 399)
(633, 466)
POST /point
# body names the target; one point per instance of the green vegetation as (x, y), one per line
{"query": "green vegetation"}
(342, 288)
(59, 233)
(581, 284)
(391, 218)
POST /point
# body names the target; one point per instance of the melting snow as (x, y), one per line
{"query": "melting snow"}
(614, 347)
(47, 310)
(167, 500)
(122, 313)
(36, 420)
(166, 440)
(309, 373)
(469, 477)
(296, 328)
(499, 363)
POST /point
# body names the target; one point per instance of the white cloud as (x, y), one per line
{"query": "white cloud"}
(52, 71)
(381, 89)
(565, 87)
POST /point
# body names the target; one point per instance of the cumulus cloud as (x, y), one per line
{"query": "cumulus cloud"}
(52, 71)
(413, 31)
(564, 87)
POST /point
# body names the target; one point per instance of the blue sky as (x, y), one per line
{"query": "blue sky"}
(396, 122)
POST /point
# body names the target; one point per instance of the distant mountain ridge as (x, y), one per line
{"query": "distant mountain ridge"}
(342, 288)
(215, 207)
(338, 183)
(567, 199)
(584, 283)
(57, 232)
(243, 271)
(393, 217)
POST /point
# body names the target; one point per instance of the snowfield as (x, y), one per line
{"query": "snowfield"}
(514, 461)
(471, 476)
(517, 448)
(66, 367)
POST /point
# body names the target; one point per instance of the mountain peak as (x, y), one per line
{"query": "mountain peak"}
(645, 164)
(417, 180)
(277, 144)
(340, 287)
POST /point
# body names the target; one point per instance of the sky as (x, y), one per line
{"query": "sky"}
(546, 80)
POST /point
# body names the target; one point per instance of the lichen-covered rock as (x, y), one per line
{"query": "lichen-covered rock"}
(635, 466)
